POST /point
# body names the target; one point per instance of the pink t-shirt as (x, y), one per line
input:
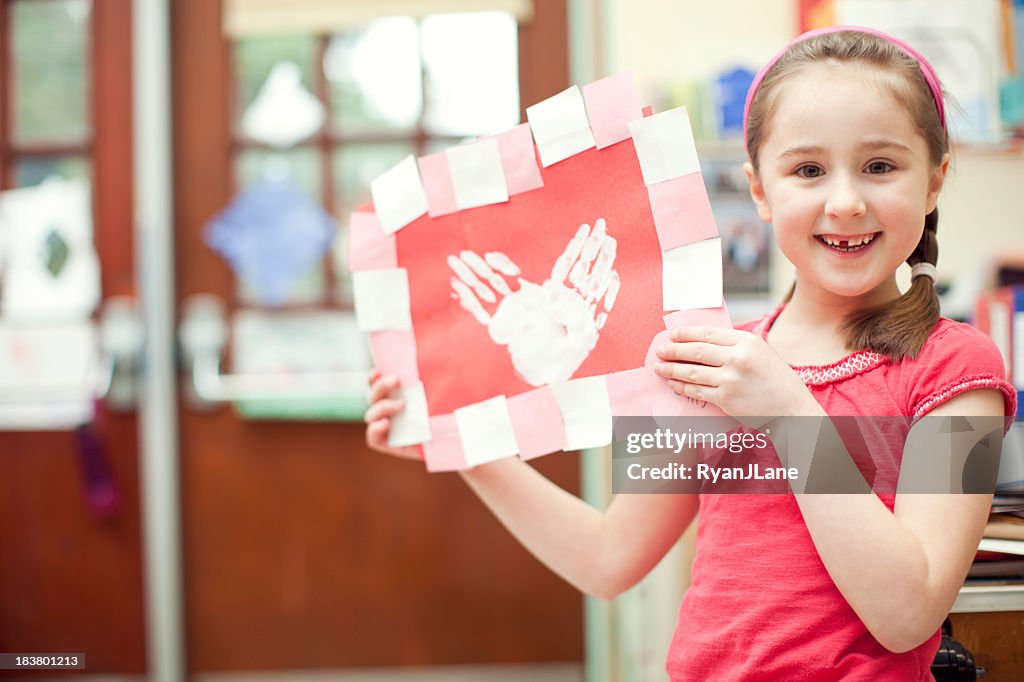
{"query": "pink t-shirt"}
(761, 605)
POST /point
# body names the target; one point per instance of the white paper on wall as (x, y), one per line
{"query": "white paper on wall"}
(51, 271)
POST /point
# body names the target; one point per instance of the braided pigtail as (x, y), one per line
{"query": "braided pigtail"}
(900, 327)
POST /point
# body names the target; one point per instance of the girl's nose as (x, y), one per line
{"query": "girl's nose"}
(844, 200)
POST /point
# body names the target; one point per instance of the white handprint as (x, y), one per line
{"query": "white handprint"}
(549, 328)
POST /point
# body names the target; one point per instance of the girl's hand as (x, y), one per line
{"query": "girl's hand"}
(378, 417)
(737, 371)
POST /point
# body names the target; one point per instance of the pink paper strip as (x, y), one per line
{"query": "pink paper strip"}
(537, 423)
(394, 352)
(437, 183)
(518, 159)
(443, 452)
(699, 317)
(369, 248)
(629, 392)
(682, 211)
(612, 103)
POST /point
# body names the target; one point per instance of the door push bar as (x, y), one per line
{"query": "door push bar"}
(202, 337)
(114, 373)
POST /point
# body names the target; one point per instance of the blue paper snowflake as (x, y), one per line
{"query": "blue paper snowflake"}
(271, 234)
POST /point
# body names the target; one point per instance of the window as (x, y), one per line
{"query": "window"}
(46, 126)
(331, 112)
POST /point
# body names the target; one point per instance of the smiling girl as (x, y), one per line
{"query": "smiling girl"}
(848, 151)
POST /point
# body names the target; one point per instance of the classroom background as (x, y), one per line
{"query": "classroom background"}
(185, 492)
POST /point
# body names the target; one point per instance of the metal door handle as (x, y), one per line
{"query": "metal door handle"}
(203, 335)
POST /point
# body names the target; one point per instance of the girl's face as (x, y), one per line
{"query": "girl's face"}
(846, 180)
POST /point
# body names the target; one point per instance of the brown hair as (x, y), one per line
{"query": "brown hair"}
(900, 327)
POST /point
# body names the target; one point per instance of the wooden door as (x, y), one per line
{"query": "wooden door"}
(302, 549)
(70, 579)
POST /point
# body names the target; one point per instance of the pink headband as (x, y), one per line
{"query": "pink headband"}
(926, 69)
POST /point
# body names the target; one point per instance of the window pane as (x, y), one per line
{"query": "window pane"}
(51, 71)
(255, 59)
(32, 171)
(302, 167)
(375, 77)
(355, 165)
(472, 67)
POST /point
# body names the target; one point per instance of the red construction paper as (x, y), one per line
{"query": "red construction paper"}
(682, 211)
(459, 363)
(479, 257)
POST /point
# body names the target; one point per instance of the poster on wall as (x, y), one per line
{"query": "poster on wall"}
(961, 40)
(517, 284)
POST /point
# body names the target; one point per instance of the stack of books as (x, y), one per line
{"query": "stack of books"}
(1000, 558)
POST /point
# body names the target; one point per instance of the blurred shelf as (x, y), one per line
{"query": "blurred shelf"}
(989, 598)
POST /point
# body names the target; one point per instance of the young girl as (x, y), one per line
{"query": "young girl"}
(848, 150)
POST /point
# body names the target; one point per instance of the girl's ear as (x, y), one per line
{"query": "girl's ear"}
(757, 192)
(935, 183)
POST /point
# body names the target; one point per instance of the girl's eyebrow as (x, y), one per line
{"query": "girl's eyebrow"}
(885, 143)
(801, 150)
(881, 143)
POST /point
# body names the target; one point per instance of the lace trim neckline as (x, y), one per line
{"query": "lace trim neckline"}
(820, 375)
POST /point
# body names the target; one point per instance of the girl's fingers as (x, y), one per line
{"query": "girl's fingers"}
(693, 351)
(382, 387)
(377, 433)
(687, 372)
(377, 439)
(374, 375)
(383, 409)
(719, 336)
(695, 391)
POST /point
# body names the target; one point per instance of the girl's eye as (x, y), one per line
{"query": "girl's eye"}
(879, 167)
(810, 171)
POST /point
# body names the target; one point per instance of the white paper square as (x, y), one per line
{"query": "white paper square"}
(692, 275)
(665, 146)
(485, 429)
(477, 174)
(411, 426)
(382, 299)
(560, 126)
(586, 412)
(58, 211)
(398, 195)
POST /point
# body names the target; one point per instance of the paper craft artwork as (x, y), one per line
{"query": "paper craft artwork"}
(283, 112)
(271, 234)
(519, 291)
(50, 268)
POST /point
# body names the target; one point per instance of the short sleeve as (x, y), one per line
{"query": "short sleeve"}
(955, 359)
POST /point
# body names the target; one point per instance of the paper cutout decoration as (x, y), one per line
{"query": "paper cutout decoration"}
(283, 111)
(50, 267)
(520, 323)
(272, 234)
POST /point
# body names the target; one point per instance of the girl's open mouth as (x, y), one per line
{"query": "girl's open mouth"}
(847, 243)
